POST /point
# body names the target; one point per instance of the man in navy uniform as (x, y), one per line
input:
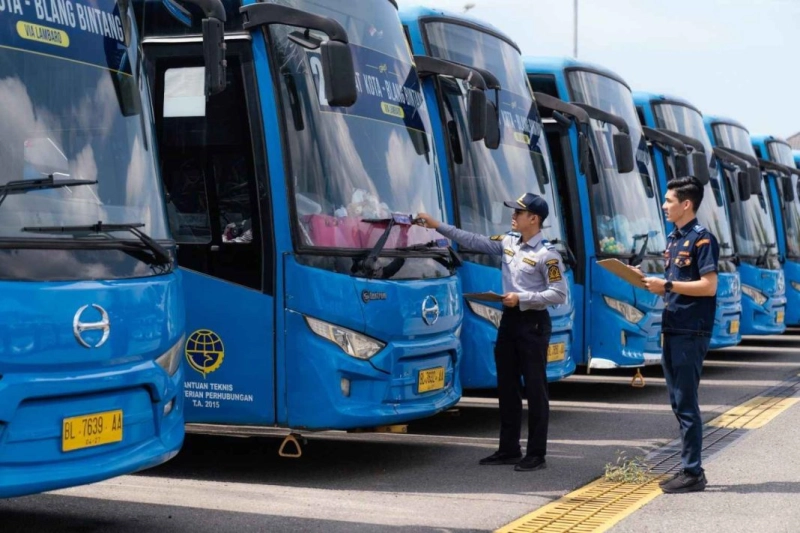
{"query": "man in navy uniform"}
(533, 279)
(690, 295)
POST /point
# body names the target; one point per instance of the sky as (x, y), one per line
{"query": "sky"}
(734, 58)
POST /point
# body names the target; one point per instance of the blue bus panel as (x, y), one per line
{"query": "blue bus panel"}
(673, 115)
(93, 322)
(478, 179)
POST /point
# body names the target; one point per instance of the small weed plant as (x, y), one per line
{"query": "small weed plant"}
(628, 470)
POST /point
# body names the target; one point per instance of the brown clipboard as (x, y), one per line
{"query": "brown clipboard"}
(617, 267)
(488, 296)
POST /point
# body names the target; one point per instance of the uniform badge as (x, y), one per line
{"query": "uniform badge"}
(701, 242)
(551, 262)
(496, 237)
(529, 261)
(554, 273)
(686, 243)
(509, 252)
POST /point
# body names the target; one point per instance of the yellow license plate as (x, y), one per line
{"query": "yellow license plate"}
(95, 429)
(779, 317)
(430, 379)
(556, 352)
(734, 327)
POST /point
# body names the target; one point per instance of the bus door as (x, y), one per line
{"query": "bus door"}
(214, 174)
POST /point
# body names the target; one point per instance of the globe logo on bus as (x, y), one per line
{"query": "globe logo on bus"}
(204, 351)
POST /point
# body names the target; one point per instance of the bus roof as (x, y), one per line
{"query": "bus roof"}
(713, 120)
(427, 14)
(644, 97)
(557, 65)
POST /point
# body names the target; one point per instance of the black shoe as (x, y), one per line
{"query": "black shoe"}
(501, 458)
(685, 482)
(670, 478)
(530, 463)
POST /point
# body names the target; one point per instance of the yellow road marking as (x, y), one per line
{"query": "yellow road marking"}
(754, 413)
(593, 508)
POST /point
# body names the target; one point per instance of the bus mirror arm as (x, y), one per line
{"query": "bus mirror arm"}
(213, 39)
(338, 70)
(476, 95)
(623, 149)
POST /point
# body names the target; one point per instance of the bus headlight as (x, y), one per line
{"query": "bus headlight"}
(630, 313)
(487, 313)
(796, 286)
(755, 294)
(171, 359)
(352, 343)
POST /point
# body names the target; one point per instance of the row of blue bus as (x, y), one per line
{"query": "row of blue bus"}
(234, 185)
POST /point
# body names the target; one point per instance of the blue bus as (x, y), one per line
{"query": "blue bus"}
(763, 285)
(479, 174)
(677, 134)
(604, 172)
(91, 384)
(313, 300)
(778, 162)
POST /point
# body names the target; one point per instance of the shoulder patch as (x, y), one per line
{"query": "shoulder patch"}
(529, 261)
(701, 242)
(497, 237)
(554, 273)
(551, 262)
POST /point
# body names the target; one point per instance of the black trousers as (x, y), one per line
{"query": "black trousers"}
(521, 351)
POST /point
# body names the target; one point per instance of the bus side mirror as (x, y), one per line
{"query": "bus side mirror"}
(477, 114)
(583, 153)
(681, 165)
(126, 88)
(623, 151)
(339, 74)
(743, 183)
(214, 55)
(788, 191)
(700, 168)
(492, 138)
(754, 174)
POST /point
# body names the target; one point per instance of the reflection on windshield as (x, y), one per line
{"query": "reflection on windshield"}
(625, 206)
(485, 178)
(75, 113)
(752, 222)
(352, 167)
(713, 212)
(782, 153)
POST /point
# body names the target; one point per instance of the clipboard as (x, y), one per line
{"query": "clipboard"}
(488, 296)
(618, 268)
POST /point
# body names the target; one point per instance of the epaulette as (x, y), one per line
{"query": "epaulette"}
(699, 229)
(548, 245)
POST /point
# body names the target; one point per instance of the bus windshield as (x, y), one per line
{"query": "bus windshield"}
(351, 169)
(484, 178)
(752, 220)
(713, 212)
(71, 110)
(625, 206)
(782, 153)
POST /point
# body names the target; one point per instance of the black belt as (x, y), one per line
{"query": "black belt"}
(529, 313)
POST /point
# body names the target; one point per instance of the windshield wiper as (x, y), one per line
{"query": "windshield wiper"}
(440, 243)
(161, 255)
(368, 267)
(40, 184)
(637, 259)
(762, 259)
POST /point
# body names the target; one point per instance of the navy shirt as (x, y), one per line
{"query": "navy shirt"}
(691, 252)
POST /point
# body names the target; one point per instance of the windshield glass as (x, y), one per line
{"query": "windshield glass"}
(753, 226)
(713, 212)
(484, 178)
(625, 206)
(351, 168)
(71, 108)
(782, 153)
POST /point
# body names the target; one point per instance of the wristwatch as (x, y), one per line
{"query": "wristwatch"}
(668, 286)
